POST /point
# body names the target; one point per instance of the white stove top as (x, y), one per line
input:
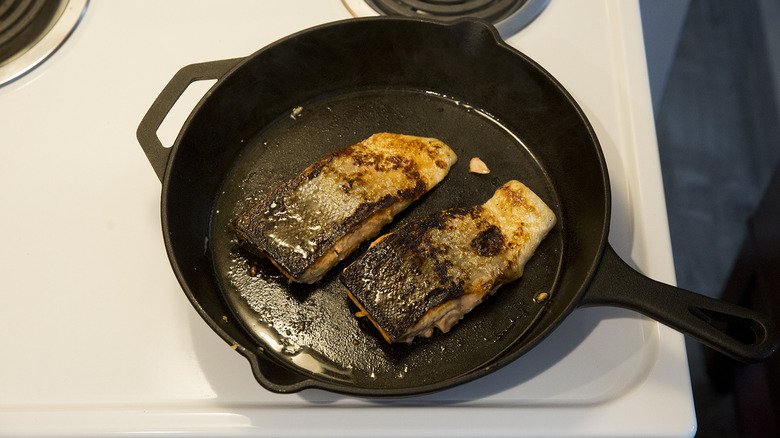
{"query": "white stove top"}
(98, 338)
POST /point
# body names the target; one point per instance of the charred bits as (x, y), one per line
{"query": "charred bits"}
(488, 242)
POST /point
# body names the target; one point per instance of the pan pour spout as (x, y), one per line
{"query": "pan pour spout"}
(737, 332)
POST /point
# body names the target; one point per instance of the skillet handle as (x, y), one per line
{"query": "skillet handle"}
(737, 332)
(147, 129)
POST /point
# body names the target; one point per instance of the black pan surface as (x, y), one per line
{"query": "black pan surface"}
(275, 112)
(314, 327)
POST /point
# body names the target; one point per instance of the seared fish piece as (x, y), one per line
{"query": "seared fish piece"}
(432, 271)
(313, 221)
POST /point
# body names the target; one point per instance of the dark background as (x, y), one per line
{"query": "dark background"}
(715, 71)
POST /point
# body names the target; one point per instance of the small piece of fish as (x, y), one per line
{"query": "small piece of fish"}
(432, 271)
(313, 221)
(478, 166)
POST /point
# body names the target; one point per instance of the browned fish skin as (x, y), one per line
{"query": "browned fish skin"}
(432, 271)
(317, 218)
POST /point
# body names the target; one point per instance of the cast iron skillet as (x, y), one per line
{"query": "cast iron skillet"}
(271, 114)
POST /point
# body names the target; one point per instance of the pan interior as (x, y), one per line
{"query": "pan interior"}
(312, 328)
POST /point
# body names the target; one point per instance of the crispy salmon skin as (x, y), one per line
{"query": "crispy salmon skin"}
(314, 220)
(432, 271)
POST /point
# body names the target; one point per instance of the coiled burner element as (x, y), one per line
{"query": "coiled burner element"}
(31, 30)
(508, 16)
(488, 10)
(22, 22)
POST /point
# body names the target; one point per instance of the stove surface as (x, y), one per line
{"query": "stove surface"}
(98, 337)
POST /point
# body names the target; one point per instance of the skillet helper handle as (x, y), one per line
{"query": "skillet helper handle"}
(735, 331)
(147, 129)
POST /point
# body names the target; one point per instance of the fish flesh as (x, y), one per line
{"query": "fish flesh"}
(432, 271)
(316, 219)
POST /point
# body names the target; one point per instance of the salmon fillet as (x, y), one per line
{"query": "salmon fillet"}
(313, 221)
(432, 271)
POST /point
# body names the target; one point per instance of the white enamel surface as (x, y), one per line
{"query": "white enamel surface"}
(98, 339)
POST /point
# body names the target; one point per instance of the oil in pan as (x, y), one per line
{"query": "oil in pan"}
(313, 327)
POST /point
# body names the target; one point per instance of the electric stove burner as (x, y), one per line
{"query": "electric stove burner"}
(22, 21)
(31, 30)
(490, 10)
(509, 16)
